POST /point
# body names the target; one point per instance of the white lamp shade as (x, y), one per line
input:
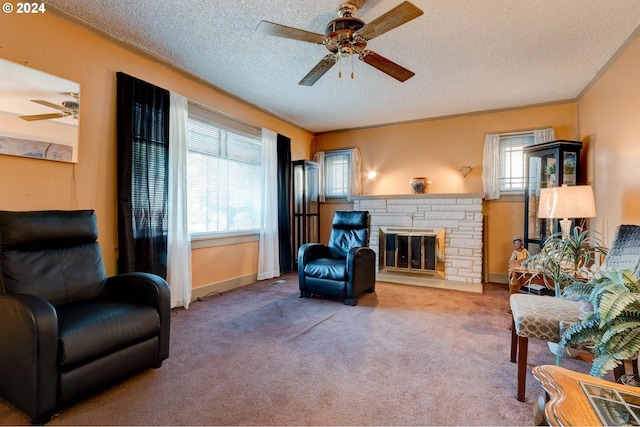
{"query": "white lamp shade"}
(573, 201)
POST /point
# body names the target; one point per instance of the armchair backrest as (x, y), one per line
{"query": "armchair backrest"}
(624, 253)
(349, 229)
(51, 254)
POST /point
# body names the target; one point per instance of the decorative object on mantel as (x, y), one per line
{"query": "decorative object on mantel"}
(420, 185)
(465, 170)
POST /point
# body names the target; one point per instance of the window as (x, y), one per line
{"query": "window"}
(223, 174)
(512, 167)
(337, 165)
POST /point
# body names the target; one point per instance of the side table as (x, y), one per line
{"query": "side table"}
(576, 399)
(520, 276)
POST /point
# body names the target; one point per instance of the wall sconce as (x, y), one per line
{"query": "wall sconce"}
(372, 174)
(465, 170)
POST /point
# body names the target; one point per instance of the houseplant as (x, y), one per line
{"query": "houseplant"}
(560, 262)
(613, 329)
(569, 170)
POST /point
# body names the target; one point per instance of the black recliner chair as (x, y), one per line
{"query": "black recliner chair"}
(345, 268)
(66, 330)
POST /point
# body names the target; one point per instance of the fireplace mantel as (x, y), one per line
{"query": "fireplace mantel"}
(460, 214)
(419, 196)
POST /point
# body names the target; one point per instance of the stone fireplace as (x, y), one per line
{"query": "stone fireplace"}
(427, 239)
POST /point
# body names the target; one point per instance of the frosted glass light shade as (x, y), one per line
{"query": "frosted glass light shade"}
(573, 201)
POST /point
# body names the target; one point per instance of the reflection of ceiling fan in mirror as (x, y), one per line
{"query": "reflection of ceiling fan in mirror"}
(347, 35)
(67, 108)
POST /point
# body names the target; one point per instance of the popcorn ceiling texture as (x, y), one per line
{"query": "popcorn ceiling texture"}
(468, 55)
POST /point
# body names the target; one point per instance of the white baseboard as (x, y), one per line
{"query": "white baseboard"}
(499, 278)
(219, 287)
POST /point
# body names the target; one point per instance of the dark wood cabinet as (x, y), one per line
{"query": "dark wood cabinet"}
(306, 205)
(549, 164)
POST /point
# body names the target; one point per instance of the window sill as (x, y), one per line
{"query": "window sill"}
(337, 200)
(510, 197)
(209, 241)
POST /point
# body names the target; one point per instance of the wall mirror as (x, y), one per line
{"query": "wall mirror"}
(39, 114)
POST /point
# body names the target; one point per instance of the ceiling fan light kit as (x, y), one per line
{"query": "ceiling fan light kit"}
(347, 36)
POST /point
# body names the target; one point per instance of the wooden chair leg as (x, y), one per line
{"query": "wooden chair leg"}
(514, 342)
(619, 371)
(523, 343)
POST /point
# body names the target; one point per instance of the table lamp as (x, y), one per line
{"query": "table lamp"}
(568, 201)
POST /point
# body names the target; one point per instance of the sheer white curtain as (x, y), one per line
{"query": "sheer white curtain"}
(179, 241)
(491, 167)
(268, 253)
(355, 186)
(319, 158)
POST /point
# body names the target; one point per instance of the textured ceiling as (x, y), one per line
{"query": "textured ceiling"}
(467, 55)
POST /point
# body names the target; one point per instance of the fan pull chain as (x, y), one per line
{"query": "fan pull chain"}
(352, 75)
(340, 68)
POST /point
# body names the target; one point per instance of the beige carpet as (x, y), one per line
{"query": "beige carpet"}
(259, 355)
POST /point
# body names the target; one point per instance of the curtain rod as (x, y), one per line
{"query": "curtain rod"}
(519, 132)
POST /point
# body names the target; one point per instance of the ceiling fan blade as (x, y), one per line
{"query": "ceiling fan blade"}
(318, 71)
(397, 16)
(273, 29)
(49, 104)
(386, 66)
(44, 116)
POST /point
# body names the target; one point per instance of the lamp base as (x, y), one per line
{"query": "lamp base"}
(565, 226)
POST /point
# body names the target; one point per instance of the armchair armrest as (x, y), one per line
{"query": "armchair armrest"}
(146, 289)
(138, 288)
(361, 270)
(28, 354)
(311, 251)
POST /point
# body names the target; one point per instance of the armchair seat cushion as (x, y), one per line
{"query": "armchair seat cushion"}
(90, 330)
(327, 268)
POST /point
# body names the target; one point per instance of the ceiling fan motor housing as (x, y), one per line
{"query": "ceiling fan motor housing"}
(340, 34)
(71, 105)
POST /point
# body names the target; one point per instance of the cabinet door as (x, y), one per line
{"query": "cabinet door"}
(306, 206)
(569, 168)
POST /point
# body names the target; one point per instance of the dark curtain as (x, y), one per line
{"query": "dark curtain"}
(284, 203)
(143, 169)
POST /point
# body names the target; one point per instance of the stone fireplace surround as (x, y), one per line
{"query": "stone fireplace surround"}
(459, 214)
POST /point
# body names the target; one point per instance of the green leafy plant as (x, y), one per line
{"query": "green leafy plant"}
(562, 262)
(613, 329)
(569, 168)
(550, 169)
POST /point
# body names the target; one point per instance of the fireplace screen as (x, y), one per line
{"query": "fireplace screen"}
(412, 251)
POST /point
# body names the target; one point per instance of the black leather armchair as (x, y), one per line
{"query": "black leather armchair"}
(66, 330)
(345, 268)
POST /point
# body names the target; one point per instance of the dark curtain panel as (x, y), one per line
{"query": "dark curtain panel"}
(143, 169)
(284, 203)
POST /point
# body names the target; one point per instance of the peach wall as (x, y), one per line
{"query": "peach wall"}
(609, 121)
(437, 149)
(57, 47)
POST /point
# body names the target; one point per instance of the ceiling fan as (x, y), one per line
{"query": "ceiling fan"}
(346, 36)
(67, 108)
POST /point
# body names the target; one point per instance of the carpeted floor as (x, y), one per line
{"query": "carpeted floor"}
(259, 355)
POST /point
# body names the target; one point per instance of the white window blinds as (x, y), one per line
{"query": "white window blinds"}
(224, 169)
